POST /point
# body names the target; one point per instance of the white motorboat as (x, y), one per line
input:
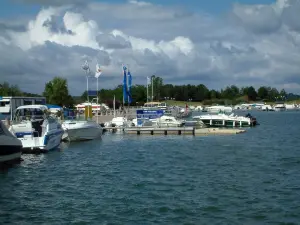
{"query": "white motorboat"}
(291, 107)
(142, 122)
(169, 121)
(76, 130)
(267, 108)
(279, 107)
(224, 120)
(10, 146)
(35, 128)
(218, 109)
(119, 122)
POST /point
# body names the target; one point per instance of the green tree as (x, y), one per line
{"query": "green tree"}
(56, 92)
(283, 93)
(157, 87)
(202, 93)
(251, 93)
(272, 93)
(262, 92)
(10, 90)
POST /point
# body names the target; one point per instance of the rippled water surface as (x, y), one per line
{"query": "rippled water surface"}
(251, 178)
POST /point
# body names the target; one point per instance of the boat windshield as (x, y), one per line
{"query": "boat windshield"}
(29, 114)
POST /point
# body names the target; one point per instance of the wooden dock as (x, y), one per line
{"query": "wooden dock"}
(180, 131)
(161, 130)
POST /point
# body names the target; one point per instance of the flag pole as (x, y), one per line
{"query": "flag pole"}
(152, 86)
(114, 103)
(147, 90)
(128, 97)
(97, 101)
(87, 92)
(123, 89)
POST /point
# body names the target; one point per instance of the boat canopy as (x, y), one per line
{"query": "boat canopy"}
(53, 106)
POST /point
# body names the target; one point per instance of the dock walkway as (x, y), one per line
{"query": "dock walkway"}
(180, 131)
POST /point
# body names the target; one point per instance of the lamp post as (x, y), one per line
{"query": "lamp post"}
(86, 68)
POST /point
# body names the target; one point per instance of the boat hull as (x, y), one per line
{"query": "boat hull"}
(279, 109)
(9, 154)
(82, 134)
(50, 141)
(81, 130)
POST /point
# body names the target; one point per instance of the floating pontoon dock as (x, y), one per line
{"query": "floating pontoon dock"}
(180, 131)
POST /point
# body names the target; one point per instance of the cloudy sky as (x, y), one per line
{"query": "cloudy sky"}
(216, 42)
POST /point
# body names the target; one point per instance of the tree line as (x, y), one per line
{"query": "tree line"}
(197, 93)
(56, 92)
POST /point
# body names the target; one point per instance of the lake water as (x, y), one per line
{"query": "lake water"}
(250, 178)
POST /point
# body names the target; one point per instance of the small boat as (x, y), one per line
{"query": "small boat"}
(280, 107)
(81, 130)
(119, 123)
(35, 128)
(141, 122)
(10, 146)
(224, 120)
(267, 108)
(218, 109)
(169, 121)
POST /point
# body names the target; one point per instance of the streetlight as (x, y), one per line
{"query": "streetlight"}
(86, 68)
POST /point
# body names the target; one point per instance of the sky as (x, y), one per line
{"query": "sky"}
(217, 43)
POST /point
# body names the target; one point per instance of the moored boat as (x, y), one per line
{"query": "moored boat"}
(35, 128)
(224, 120)
(10, 146)
(169, 121)
(280, 106)
(81, 130)
(219, 108)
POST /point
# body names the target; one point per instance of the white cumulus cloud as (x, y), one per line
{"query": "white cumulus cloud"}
(253, 45)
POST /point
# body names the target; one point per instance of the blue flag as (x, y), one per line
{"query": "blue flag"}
(125, 97)
(129, 87)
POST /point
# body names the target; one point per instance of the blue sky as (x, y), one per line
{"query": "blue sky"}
(9, 8)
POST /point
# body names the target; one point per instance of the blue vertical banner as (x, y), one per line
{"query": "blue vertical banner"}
(129, 87)
(125, 97)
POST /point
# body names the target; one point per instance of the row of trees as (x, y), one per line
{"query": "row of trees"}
(14, 90)
(56, 91)
(197, 93)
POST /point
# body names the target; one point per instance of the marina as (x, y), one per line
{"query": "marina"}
(151, 112)
(40, 130)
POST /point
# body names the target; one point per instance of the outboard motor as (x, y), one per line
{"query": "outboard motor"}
(248, 115)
